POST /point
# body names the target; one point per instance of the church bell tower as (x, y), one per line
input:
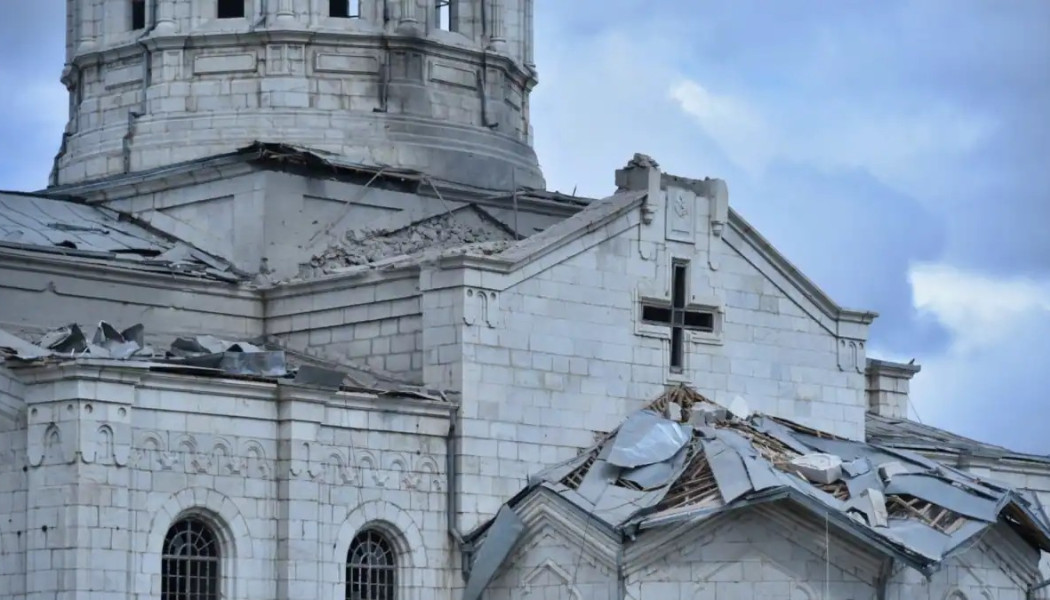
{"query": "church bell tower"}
(439, 86)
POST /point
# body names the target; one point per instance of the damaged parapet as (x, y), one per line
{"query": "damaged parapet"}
(202, 355)
(887, 387)
(685, 459)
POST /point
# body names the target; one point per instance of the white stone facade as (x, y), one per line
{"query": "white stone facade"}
(399, 86)
(759, 553)
(542, 343)
(286, 475)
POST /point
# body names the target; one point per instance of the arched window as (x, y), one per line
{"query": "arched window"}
(190, 563)
(371, 567)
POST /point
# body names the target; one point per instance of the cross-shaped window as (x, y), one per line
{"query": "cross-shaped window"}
(677, 314)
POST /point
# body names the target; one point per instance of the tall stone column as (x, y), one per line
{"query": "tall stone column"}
(408, 23)
(285, 14)
(87, 22)
(497, 27)
(166, 24)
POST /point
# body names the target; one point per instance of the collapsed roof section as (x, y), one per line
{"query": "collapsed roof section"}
(204, 356)
(461, 227)
(685, 459)
(94, 234)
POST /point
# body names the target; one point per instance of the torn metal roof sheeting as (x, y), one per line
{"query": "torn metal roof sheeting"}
(647, 438)
(202, 355)
(905, 434)
(504, 532)
(38, 223)
(900, 504)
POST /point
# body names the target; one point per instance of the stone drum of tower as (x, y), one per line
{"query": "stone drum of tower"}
(438, 86)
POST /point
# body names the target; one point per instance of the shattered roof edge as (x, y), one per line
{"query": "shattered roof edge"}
(69, 261)
(58, 367)
(256, 154)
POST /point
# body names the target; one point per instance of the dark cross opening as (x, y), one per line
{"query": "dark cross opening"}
(677, 315)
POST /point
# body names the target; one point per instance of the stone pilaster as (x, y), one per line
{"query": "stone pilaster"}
(888, 386)
(78, 522)
(497, 26)
(299, 476)
(86, 26)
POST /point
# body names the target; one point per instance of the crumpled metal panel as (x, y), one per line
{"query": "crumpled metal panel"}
(647, 438)
(559, 471)
(617, 504)
(728, 469)
(869, 480)
(780, 433)
(505, 531)
(318, 377)
(918, 537)
(944, 494)
(22, 349)
(657, 474)
(265, 364)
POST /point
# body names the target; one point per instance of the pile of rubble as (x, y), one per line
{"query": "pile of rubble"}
(369, 246)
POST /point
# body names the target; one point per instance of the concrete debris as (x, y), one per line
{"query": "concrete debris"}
(908, 508)
(443, 232)
(819, 468)
(708, 415)
(740, 408)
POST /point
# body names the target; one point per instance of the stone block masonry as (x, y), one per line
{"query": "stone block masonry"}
(286, 476)
(373, 323)
(400, 91)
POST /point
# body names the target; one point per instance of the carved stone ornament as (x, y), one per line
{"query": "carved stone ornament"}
(481, 307)
(325, 464)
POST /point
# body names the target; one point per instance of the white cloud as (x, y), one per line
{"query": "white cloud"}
(979, 310)
(899, 145)
(732, 122)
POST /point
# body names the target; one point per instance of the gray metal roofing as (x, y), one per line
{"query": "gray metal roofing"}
(33, 222)
(904, 433)
(684, 459)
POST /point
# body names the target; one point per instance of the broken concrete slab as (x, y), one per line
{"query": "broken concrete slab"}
(818, 467)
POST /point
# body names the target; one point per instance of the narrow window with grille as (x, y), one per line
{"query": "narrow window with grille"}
(190, 562)
(371, 567)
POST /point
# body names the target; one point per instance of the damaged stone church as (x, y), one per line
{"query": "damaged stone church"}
(296, 318)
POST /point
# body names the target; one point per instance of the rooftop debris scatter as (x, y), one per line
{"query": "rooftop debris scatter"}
(202, 355)
(902, 504)
(96, 234)
(446, 231)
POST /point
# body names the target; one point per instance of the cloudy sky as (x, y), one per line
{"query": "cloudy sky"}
(893, 150)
